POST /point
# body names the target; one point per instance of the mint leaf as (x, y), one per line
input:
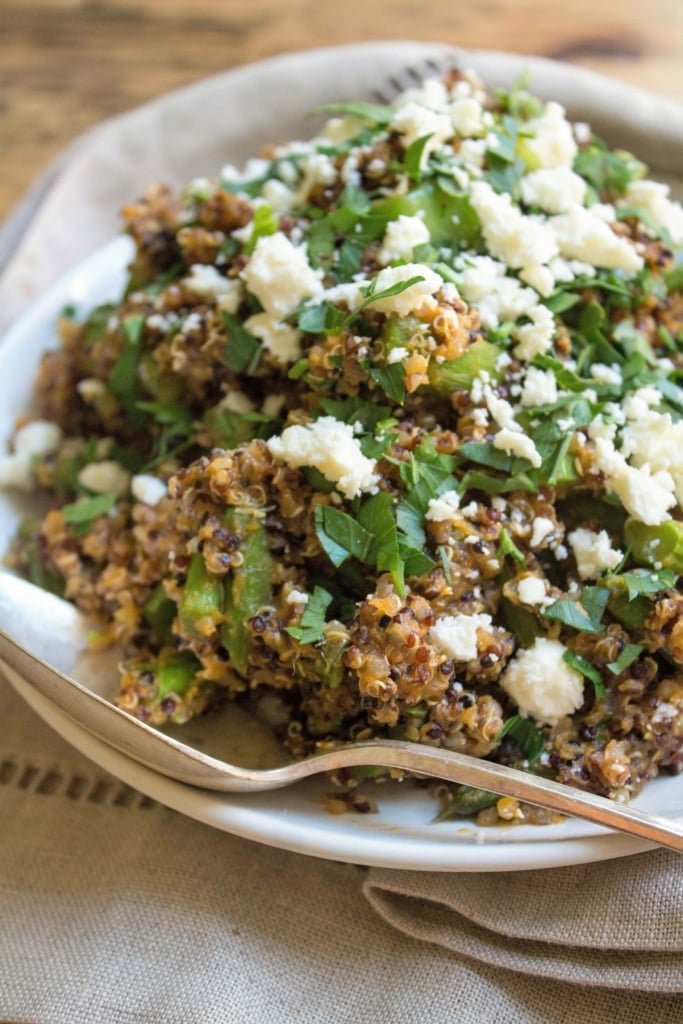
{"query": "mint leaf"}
(392, 381)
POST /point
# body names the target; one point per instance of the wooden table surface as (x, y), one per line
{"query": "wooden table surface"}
(66, 64)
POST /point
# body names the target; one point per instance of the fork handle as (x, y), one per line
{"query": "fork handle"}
(500, 779)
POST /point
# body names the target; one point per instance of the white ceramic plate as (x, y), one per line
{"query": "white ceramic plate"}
(401, 834)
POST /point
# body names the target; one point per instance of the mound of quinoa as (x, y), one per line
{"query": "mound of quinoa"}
(386, 430)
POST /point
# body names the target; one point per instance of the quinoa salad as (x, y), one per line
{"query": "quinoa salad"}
(384, 439)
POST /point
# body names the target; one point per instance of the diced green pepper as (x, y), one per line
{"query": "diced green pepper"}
(466, 802)
(249, 586)
(458, 374)
(659, 546)
(449, 218)
(159, 612)
(202, 596)
(175, 674)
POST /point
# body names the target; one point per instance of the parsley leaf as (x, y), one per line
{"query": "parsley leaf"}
(392, 381)
(584, 614)
(341, 536)
(506, 546)
(640, 581)
(123, 380)
(526, 735)
(81, 513)
(628, 655)
(310, 628)
(379, 114)
(587, 670)
(242, 350)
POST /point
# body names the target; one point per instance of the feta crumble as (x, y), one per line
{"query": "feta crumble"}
(541, 683)
(456, 635)
(330, 447)
(593, 552)
(280, 276)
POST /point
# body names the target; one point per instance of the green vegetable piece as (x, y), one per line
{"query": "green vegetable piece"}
(526, 735)
(448, 216)
(310, 628)
(243, 350)
(248, 587)
(43, 575)
(506, 546)
(656, 545)
(459, 374)
(159, 612)
(83, 512)
(95, 327)
(587, 670)
(521, 622)
(628, 655)
(124, 380)
(392, 381)
(583, 614)
(175, 674)
(466, 802)
(202, 596)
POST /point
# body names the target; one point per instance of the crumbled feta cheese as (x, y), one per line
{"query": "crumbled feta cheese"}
(485, 286)
(553, 144)
(593, 552)
(553, 189)
(237, 401)
(511, 236)
(208, 283)
(539, 388)
(645, 495)
(540, 278)
(401, 237)
(281, 339)
(541, 683)
(91, 389)
(652, 439)
(441, 509)
(107, 477)
(297, 597)
(410, 298)
(472, 154)
(606, 374)
(330, 447)
(280, 276)
(280, 197)
(456, 635)
(532, 590)
(413, 121)
(397, 355)
(31, 441)
(467, 116)
(147, 488)
(582, 235)
(40, 437)
(516, 443)
(653, 196)
(272, 405)
(540, 529)
(535, 338)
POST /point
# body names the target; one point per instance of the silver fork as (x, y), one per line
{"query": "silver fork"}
(35, 621)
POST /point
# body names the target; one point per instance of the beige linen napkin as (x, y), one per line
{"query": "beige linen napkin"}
(115, 909)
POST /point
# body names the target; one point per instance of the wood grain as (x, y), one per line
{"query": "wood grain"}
(66, 64)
